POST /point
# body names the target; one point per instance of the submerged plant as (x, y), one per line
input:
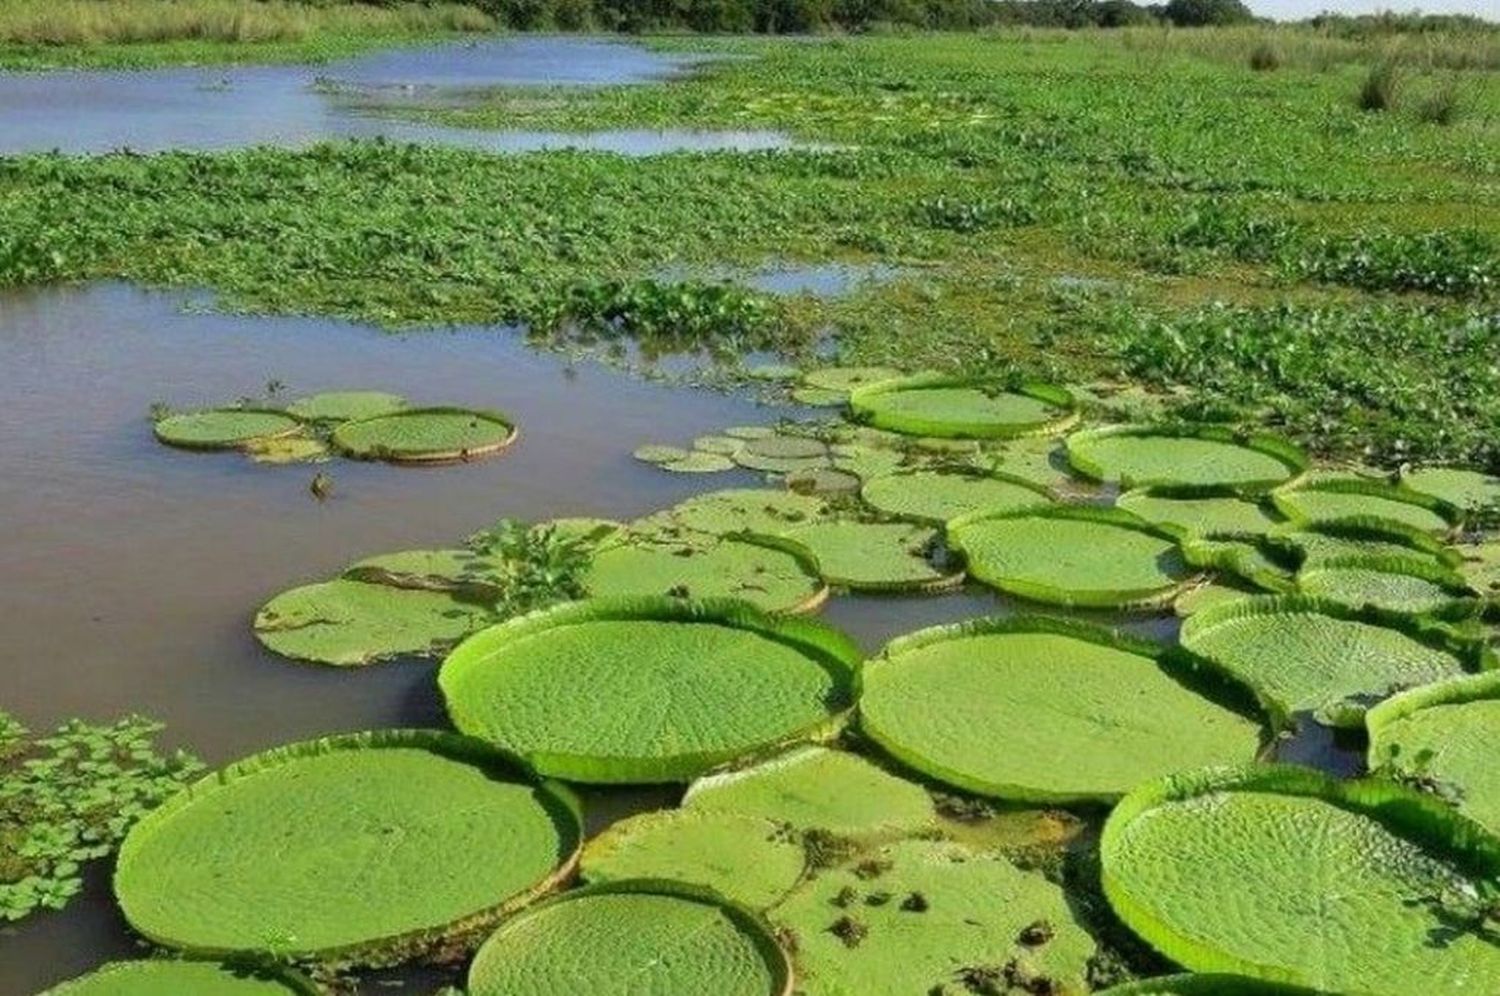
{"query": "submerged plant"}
(69, 798)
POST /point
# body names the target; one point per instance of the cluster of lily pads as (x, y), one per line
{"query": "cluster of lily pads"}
(816, 847)
(362, 425)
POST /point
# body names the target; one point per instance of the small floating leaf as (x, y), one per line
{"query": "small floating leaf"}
(655, 453)
(699, 463)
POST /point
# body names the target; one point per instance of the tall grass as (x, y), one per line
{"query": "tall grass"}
(98, 22)
(1378, 91)
(1309, 48)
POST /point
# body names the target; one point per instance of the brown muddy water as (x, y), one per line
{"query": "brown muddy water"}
(131, 570)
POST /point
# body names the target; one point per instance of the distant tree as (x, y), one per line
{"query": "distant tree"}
(1198, 13)
(1121, 14)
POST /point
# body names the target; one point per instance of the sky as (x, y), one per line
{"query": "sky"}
(1306, 8)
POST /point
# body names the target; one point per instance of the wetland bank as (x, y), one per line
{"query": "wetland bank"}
(941, 513)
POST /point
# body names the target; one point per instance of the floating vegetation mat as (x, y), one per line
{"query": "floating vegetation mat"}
(648, 689)
(367, 425)
(1136, 456)
(957, 407)
(1072, 555)
(1044, 710)
(1442, 738)
(355, 848)
(749, 859)
(935, 496)
(632, 937)
(1353, 497)
(1307, 655)
(874, 556)
(1286, 874)
(923, 916)
(817, 788)
(770, 574)
(224, 428)
(352, 623)
(425, 435)
(162, 977)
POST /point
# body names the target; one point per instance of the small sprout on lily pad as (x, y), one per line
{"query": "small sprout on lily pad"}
(845, 897)
(1036, 934)
(825, 848)
(915, 903)
(871, 868)
(849, 930)
(877, 899)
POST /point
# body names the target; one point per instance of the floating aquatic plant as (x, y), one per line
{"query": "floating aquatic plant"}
(944, 406)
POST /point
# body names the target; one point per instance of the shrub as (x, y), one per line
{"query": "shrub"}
(1440, 108)
(1264, 58)
(1201, 13)
(1378, 92)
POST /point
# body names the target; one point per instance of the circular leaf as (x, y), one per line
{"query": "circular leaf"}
(769, 576)
(161, 977)
(936, 405)
(342, 406)
(426, 435)
(937, 496)
(224, 428)
(1138, 456)
(873, 556)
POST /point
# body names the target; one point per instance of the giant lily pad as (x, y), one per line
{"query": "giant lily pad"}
(1069, 555)
(922, 916)
(640, 936)
(817, 788)
(426, 435)
(745, 858)
(959, 407)
(457, 569)
(771, 575)
(1444, 735)
(647, 689)
(1190, 509)
(1348, 497)
(162, 977)
(342, 406)
(366, 848)
(1137, 456)
(1317, 543)
(873, 556)
(747, 510)
(1399, 584)
(224, 428)
(1044, 710)
(782, 454)
(1247, 557)
(1283, 873)
(1460, 488)
(845, 379)
(936, 496)
(1311, 655)
(350, 623)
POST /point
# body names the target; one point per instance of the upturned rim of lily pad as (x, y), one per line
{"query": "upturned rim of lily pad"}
(1284, 498)
(1208, 551)
(282, 977)
(560, 802)
(752, 924)
(1463, 602)
(1113, 598)
(1403, 811)
(1190, 492)
(1049, 394)
(1365, 528)
(427, 457)
(1279, 448)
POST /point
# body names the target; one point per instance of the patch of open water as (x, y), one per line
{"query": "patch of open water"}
(229, 107)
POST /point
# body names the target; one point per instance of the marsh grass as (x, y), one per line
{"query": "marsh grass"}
(1306, 48)
(1441, 107)
(1378, 91)
(1264, 58)
(57, 23)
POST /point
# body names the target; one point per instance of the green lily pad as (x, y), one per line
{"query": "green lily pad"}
(1139, 456)
(748, 510)
(1211, 984)
(700, 463)
(770, 575)
(1398, 584)
(846, 379)
(1350, 497)
(816, 788)
(583, 529)
(1198, 510)
(642, 936)
(783, 454)
(1210, 593)
(873, 556)
(287, 449)
(1481, 566)
(773, 371)
(426, 435)
(1071, 555)
(818, 397)
(1311, 655)
(162, 977)
(1251, 558)
(936, 496)
(937, 405)
(744, 858)
(351, 623)
(1444, 735)
(1284, 873)
(224, 428)
(1045, 710)
(343, 406)
(1317, 543)
(264, 856)
(658, 454)
(459, 569)
(1041, 460)
(1462, 489)
(746, 432)
(868, 462)
(922, 916)
(647, 689)
(823, 481)
(722, 445)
